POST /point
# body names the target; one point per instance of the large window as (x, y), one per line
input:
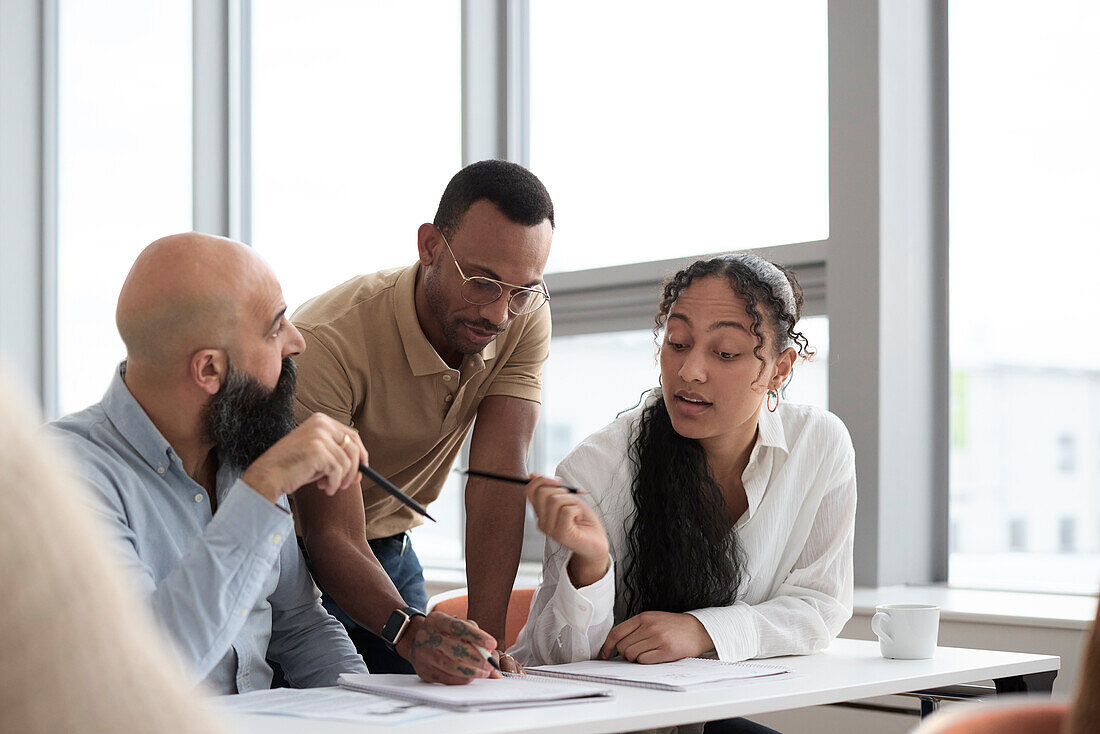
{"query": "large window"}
(1025, 247)
(356, 129)
(669, 130)
(711, 122)
(124, 167)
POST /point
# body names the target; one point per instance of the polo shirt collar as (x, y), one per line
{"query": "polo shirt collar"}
(132, 422)
(422, 357)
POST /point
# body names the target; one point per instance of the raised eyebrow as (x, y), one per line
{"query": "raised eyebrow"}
(277, 319)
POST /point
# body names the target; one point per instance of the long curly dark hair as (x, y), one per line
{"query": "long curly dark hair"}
(682, 552)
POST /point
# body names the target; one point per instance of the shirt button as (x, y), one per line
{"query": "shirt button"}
(276, 539)
(160, 470)
(243, 612)
(448, 399)
(198, 497)
(446, 378)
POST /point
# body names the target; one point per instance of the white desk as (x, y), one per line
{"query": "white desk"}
(848, 670)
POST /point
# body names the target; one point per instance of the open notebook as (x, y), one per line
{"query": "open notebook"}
(482, 694)
(680, 675)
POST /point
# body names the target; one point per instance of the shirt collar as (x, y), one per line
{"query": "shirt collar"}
(131, 420)
(422, 357)
(769, 434)
(770, 431)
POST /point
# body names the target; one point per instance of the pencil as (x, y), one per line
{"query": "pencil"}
(385, 484)
(506, 478)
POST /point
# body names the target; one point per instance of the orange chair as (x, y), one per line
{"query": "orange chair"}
(999, 717)
(456, 604)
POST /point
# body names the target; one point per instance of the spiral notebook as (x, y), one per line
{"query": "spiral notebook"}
(681, 675)
(481, 694)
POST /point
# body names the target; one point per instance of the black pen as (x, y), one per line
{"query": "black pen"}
(385, 484)
(506, 478)
(489, 658)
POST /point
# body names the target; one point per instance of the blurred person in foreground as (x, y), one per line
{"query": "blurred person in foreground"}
(1084, 716)
(80, 652)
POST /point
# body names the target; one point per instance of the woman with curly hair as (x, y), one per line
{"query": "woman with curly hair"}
(717, 519)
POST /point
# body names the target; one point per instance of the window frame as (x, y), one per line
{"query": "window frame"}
(881, 275)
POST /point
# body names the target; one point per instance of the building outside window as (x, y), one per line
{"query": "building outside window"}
(1024, 244)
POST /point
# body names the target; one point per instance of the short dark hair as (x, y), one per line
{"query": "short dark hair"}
(509, 186)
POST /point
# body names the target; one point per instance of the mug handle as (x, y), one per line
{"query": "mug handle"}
(878, 626)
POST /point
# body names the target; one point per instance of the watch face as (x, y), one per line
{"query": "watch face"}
(395, 625)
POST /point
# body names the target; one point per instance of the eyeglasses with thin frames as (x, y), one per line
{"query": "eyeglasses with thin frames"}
(481, 291)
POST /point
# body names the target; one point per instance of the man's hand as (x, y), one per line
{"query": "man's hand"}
(657, 637)
(571, 522)
(319, 450)
(444, 649)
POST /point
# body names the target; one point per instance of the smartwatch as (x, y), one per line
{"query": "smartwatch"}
(398, 623)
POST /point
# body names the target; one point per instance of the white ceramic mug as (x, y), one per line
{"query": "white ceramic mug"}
(906, 631)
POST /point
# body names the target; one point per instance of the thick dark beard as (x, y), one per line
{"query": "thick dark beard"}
(244, 418)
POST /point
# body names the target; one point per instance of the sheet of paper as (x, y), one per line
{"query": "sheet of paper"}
(480, 694)
(325, 703)
(686, 672)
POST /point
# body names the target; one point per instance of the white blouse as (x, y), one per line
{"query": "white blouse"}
(796, 538)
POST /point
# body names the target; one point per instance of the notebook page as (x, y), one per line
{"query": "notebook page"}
(681, 673)
(480, 693)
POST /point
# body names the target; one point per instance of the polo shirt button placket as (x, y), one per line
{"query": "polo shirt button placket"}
(448, 399)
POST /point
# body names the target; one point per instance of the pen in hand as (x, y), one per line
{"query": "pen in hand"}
(387, 485)
(489, 658)
(506, 478)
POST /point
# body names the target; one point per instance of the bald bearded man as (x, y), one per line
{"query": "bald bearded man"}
(190, 457)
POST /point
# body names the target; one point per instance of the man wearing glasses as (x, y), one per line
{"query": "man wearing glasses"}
(410, 358)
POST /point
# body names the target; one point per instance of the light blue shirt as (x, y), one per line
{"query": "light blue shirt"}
(230, 588)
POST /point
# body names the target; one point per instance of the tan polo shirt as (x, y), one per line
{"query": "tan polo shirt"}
(367, 364)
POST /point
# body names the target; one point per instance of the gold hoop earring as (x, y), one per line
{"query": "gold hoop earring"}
(773, 394)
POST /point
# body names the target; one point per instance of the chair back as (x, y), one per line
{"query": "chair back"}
(999, 717)
(456, 604)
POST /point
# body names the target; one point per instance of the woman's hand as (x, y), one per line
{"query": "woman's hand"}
(571, 522)
(509, 664)
(657, 637)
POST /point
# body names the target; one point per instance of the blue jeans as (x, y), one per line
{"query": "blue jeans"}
(398, 558)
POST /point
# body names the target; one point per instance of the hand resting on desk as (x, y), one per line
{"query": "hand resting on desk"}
(657, 637)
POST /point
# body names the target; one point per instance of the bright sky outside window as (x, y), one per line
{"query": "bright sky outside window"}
(124, 167)
(356, 131)
(667, 130)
